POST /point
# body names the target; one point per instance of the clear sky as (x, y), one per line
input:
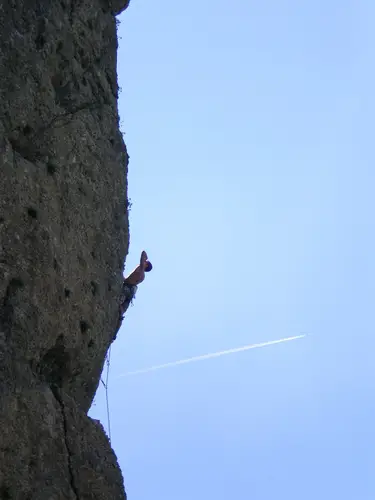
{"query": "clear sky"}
(250, 130)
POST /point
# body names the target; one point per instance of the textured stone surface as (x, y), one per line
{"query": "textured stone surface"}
(63, 240)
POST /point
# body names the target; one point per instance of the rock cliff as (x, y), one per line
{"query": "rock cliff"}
(63, 241)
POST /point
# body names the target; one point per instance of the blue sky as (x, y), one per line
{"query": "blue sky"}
(249, 127)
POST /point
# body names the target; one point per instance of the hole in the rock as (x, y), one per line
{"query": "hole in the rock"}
(67, 292)
(94, 288)
(59, 46)
(83, 326)
(40, 42)
(51, 169)
(16, 283)
(112, 141)
(109, 287)
(5, 492)
(55, 264)
(56, 81)
(2, 220)
(32, 213)
(27, 130)
(54, 363)
(93, 254)
(91, 343)
(81, 260)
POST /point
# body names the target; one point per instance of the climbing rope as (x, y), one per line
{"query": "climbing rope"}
(128, 295)
(108, 362)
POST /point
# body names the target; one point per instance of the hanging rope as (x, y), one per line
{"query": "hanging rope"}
(127, 296)
(108, 362)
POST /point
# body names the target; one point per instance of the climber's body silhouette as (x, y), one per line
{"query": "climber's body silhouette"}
(138, 275)
(130, 284)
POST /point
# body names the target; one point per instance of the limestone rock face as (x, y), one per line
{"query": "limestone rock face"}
(63, 241)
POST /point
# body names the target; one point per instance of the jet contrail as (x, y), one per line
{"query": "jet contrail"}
(212, 355)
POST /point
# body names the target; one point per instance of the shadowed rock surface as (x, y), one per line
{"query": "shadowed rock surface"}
(63, 241)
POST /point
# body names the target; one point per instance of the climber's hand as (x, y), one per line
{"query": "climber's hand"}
(143, 257)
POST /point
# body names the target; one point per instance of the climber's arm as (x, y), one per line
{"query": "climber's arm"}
(133, 278)
(138, 275)
(143, 259)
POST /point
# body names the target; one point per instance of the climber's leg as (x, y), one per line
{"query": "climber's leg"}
(127, 295)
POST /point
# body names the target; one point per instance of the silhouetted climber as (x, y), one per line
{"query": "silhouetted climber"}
(138, 275)
(130, 285)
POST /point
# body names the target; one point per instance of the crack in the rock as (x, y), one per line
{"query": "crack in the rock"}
(59, 399)
(7, 306)
(90, 106)
(28, 149)
(69, 114)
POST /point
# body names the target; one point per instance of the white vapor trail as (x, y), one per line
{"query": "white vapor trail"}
(212, 355)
